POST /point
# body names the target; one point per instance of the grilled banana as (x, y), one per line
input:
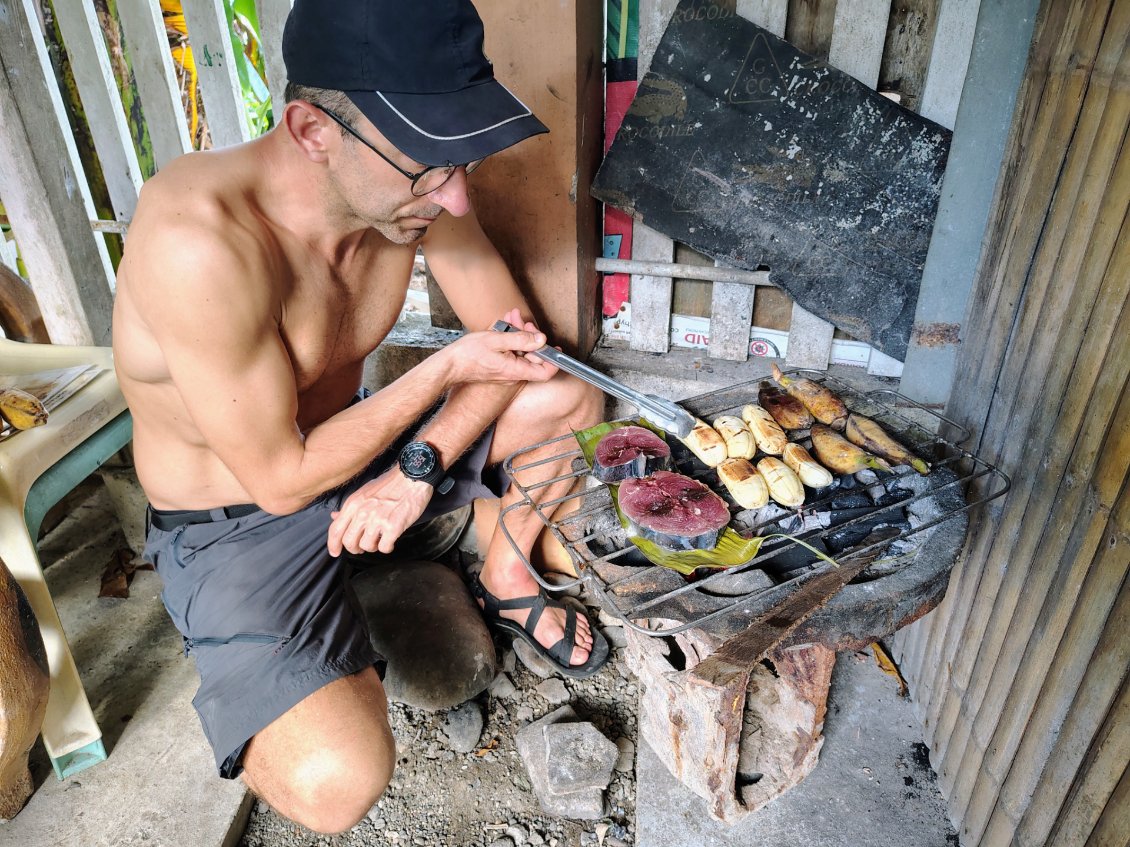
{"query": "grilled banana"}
(21, 410)
(766, 431)
(705, 442)
(744, 483)
(838, 454)
(784, 486)
(738, 438)
(869, 435)
(811, 472)
(788, 411)
(825, 406)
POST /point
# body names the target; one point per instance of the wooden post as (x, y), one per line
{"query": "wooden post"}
(211, 40)
(272, 18)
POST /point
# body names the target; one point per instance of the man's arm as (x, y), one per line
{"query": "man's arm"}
(218, 328)
(480, 288)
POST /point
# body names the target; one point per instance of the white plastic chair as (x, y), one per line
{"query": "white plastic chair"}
(38, 467)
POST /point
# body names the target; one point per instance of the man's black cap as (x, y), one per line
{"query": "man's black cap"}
(415, 68)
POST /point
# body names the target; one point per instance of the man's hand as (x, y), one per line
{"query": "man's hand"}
(374, 516)
(500, 357)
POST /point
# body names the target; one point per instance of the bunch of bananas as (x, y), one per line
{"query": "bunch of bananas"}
(20, 409)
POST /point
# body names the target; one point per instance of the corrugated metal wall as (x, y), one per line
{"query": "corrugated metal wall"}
(1020, 676)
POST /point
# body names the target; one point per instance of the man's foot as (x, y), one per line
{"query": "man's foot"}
(560, 635)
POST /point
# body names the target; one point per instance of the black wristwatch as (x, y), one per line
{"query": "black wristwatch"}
(419, 460)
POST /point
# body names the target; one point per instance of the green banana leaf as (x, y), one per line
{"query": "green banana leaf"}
(731, 550)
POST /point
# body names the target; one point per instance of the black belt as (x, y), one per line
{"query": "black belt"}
(169, 519)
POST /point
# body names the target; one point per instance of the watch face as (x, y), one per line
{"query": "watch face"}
(417, 460)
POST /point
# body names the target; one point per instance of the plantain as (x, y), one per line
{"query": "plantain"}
(784, 486)
(811, 473)
(745, 484)
(705, 442)
(738, 438)
(825, 406)
(766, 431)
(869, 435)
(838, 454)
(786, 410)
(21, 410)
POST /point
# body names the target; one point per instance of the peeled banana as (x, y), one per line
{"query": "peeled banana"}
(705, 442)
(784, 486)
(869, 435)
(838, 454)
(811, 472)
(744, 483)
(738, 438)
(766, 431)
(788, 411)
(21, 410)
(825, 406)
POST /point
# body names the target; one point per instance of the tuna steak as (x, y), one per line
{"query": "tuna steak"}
(674, 511)
(629, 452)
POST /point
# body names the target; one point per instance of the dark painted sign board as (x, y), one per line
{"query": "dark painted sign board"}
(759, 155)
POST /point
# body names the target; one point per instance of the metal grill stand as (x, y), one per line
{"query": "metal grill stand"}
(735, 667)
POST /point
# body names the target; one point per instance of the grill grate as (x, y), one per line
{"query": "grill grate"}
(658, 601)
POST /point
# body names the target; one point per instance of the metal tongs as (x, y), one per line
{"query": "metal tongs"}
(668, 416)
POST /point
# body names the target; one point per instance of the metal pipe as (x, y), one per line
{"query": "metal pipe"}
(677, 269)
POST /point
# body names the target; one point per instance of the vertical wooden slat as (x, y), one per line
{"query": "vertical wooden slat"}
(731, 315)
(770, 14)
(148, 48)
(44, 188)
(651, 295)
(8, 254)
(90, 63)
(731, 304)
(949, 60)
(211, 41)
(272, 18)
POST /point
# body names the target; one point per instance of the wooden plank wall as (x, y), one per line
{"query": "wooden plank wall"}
(1020, 677)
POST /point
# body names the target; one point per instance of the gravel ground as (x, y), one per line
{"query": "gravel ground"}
(483, 798)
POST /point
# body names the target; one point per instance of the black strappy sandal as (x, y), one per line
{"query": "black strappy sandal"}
(557, 655)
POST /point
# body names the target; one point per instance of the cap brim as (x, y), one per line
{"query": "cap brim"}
(450, 128)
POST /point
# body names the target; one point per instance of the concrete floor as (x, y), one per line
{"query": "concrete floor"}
(873, 785)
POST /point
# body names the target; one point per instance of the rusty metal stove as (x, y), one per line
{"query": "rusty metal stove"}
(735, 666)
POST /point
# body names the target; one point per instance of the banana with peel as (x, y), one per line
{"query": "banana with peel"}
(866, 433)
(21, 410)
(838, 454)
(824, 405)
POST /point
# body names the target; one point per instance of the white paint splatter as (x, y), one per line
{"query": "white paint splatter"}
(793, 148)
(706, 78)
(768, 126)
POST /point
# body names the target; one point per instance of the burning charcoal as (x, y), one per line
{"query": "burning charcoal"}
(795, 524)
(866, 477)
(851, 536)
(892, 495)
(851, 500)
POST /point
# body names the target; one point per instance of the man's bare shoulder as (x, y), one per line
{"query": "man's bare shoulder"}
(196, 237)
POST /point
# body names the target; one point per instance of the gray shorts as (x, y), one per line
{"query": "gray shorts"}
(267, 613)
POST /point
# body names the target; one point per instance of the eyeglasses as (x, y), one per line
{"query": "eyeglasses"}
(424, 182)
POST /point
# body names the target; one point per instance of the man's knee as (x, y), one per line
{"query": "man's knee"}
(565, 396)
(330, 790)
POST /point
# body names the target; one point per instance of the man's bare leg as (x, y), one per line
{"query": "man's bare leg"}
(541, 411)
(325, 762)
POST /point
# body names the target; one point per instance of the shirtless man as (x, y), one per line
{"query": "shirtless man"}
(256, 280)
